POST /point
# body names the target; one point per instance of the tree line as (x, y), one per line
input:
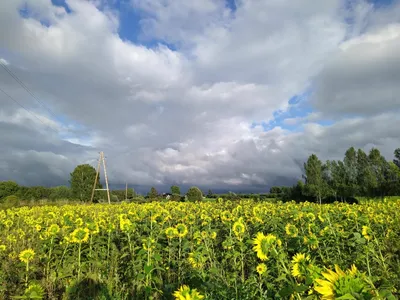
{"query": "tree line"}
(358, 175)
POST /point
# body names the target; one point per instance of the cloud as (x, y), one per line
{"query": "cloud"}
(183, 114)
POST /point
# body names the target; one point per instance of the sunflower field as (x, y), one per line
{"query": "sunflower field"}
(209, 250)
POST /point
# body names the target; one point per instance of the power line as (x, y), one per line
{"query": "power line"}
(26, 88)
(27, 110)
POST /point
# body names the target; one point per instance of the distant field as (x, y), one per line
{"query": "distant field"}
(219, 249)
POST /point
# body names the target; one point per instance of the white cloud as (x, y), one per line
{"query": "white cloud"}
(184, 116)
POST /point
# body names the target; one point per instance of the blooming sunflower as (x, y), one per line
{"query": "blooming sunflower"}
(366, 232)
(339, 283)
(186, 293)
(80, 235)
(182, 230)
(300, 263)
(171, 232)
(261, 268)
(53, 230)
(238, 228)
(27, 255)
(263, 244)
(291, 230)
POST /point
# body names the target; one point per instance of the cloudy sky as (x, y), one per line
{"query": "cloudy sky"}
(226, 94)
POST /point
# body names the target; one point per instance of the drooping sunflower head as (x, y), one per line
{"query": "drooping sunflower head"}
(186, 293)
(34, 291)
(182, 230)
(291, 230)
(197, 260)
(171, 232)
(261, 268)
(339, 283)
(263, 244)
(27, 255)
(80, 235)
(53, 230)
(238, 228)
(367, 233)
(300, 264)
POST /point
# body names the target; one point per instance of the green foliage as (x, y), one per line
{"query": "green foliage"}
(175, 190)
(194, 194)
(82, 181)
(153, 193)
(60, 192)
(10, 201)
(8, 188)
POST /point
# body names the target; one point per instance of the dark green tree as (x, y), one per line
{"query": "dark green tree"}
(365, 177)
(392, 177)
(8, 188)
(194, 194)
(210, 194)
(350, 164)
(378, 165)
(315, 185)
(82, 180)
(153, 193)
(60, 192)
(175, 190)
(396, 159)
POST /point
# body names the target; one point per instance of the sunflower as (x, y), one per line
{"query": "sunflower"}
(339, 283)
(300, 263)
(27, 255)
(186, 293)
(238, 228)
(291, 230)
(3, 247)
(263, 244)
(182, 230)
(53, 230)
(366, 232)
(80, 235)
(171, 232)
(261, 268)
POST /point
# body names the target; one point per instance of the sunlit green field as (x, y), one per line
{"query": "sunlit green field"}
(210, 250)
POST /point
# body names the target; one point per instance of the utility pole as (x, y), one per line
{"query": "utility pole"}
(101, 160)
(126, 191)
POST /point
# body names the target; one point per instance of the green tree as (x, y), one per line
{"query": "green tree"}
(8, 188)
(82, 180)
(396, 159)
(392, 177)
(175, 190)
(153, 193)
(194, 194)
(365, 177)
(315, 185)
(350, 164)
(210, 194)
(378, 165)
(60, 192)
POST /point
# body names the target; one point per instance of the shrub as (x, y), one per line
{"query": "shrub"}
(194, 194)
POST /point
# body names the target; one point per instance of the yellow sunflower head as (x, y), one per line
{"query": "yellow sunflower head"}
(261, 268)
(291, 230)
(27, 255)
(263, 244)
(367, 233)
(238, 229)
(182, 230)
(80, 235)
(300, 264)
(186, 293)
(171, 232)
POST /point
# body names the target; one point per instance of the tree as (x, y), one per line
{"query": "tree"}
(153, 193)
(392, 176)
(8, 188)
(365, 177)
(210, 194)
(350, 164)
(194, 194)
(396, 159)
(60, 192)
(378, 165)
(175, 190)
(315, 185)
(82, 180)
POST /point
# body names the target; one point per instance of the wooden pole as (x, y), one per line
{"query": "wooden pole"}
(95, 180)
(105, 176)
(126, 191)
